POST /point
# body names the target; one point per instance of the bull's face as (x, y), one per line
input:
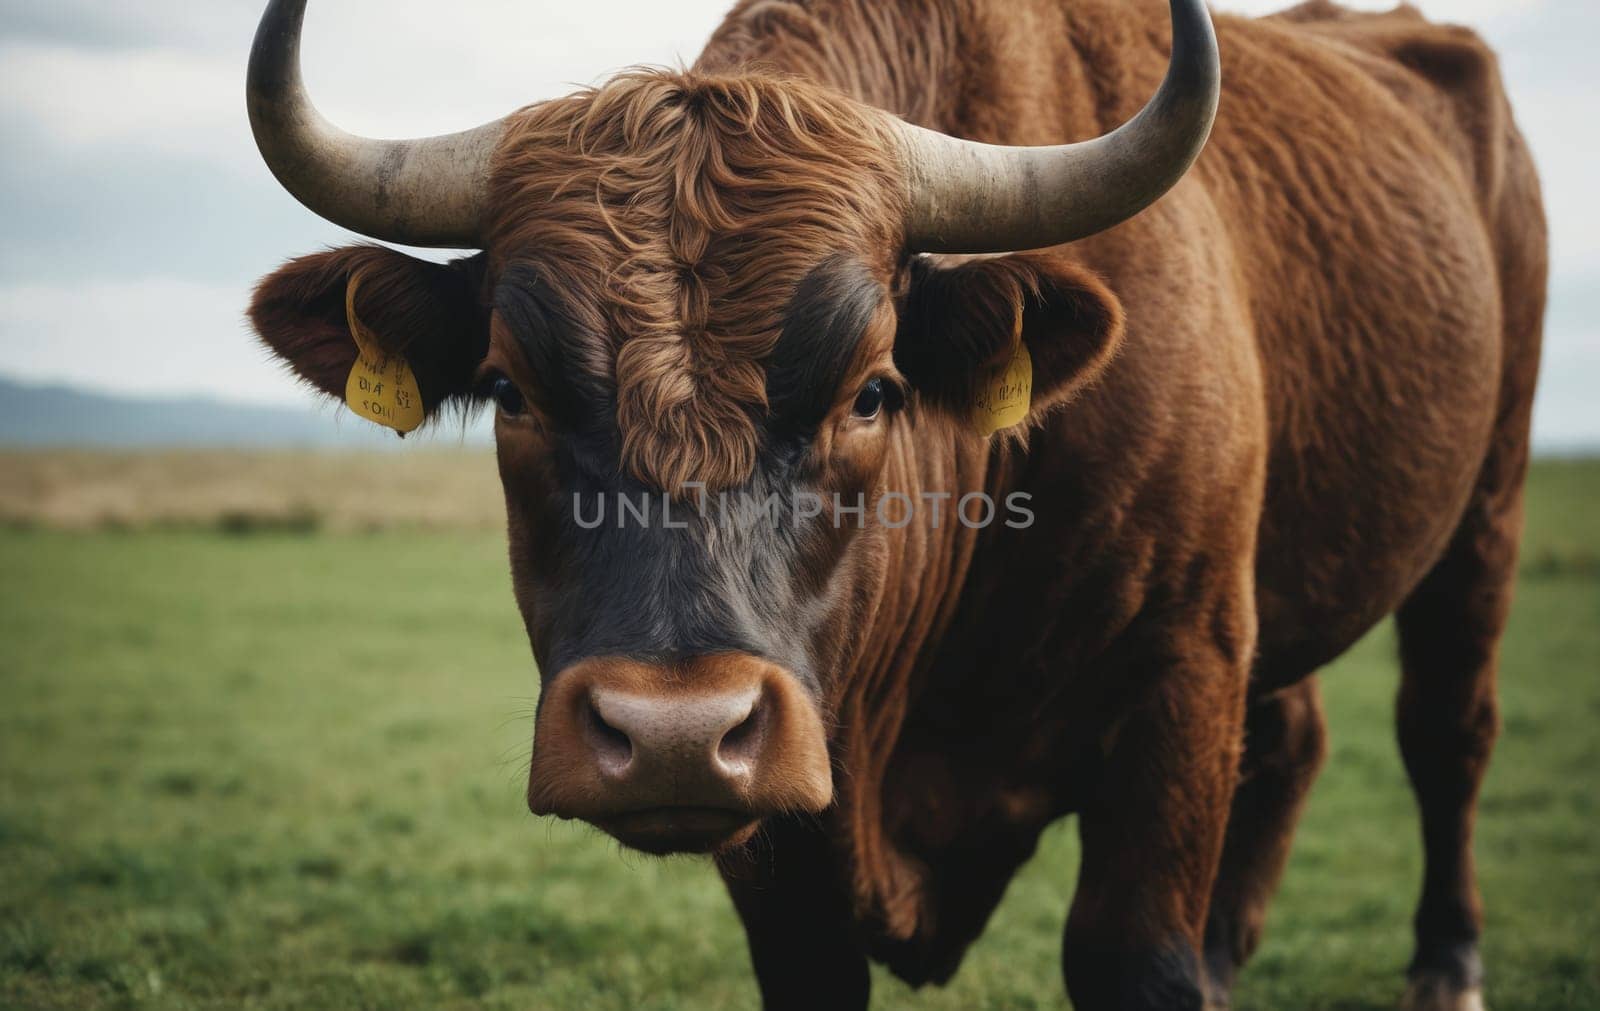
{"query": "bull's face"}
(708, 346)
(691, 353)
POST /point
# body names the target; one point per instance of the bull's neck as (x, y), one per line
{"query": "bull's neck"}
(911, 583)
(1005, 71)
(894, 56)
(935, 462)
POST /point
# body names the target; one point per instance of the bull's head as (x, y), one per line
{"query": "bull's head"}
(697, 312)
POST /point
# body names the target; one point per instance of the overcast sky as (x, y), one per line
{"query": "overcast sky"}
(137, 213)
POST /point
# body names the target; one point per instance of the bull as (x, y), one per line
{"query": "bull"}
(1245, 422)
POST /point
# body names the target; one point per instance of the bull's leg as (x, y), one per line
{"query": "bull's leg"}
(1285, 743)
(797, 922)
(1152, 837)
(1449, 634)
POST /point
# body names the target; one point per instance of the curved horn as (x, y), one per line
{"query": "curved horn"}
(427, 192)
(967, 197)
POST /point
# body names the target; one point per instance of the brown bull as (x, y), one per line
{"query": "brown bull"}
(1290, 398)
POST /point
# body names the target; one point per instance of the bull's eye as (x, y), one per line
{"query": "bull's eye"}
(870, 400)
(877, 396)
(506, 396)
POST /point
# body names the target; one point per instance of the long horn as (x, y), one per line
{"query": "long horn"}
(967, 197)
(427, 192)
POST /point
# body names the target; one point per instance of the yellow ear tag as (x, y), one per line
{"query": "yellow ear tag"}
(381, 387)
(1005, 390)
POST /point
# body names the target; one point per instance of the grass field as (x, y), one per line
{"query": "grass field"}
(284, 769)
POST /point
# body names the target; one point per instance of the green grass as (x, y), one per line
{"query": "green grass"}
(286, 771)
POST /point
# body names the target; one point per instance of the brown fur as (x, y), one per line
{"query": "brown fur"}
(1289, 399)
(668, 206)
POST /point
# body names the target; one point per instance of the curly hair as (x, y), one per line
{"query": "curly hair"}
(677, 212)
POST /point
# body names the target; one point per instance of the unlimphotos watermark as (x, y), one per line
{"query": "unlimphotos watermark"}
(893, 509)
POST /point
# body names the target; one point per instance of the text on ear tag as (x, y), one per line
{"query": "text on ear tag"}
(380, 387)
(1005, 390)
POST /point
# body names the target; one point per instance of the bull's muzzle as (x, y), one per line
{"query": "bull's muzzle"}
(682, 757)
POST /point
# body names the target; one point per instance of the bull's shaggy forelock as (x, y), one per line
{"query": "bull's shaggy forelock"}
(676, 213)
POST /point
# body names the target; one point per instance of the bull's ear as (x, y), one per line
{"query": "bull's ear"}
(432, 314)
(958, 323)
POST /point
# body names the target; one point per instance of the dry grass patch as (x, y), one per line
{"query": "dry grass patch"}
(243, 491)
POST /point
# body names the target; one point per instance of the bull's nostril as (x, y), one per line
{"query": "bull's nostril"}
(739, 746)
(612, 747)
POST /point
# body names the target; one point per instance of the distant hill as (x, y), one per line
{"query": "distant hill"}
(56, 415)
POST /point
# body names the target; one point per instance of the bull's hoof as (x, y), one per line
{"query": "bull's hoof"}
(1436, 993)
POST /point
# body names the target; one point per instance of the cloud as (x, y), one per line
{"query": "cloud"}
(84, 99)
(99, 25)
(126, 214)
(158, 335)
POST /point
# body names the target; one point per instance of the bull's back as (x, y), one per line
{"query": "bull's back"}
(1362, 165)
